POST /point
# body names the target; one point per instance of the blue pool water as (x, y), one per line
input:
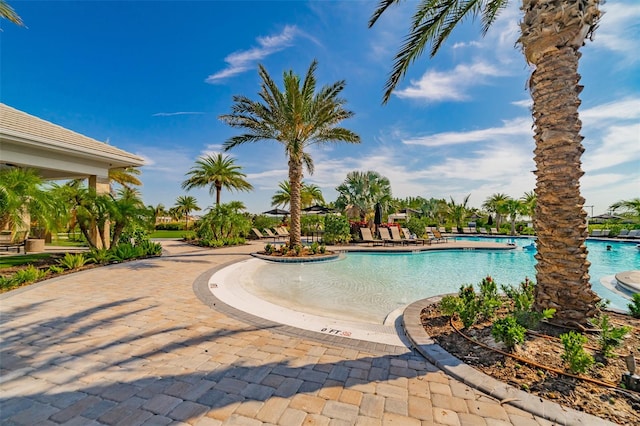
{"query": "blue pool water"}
(368, 286)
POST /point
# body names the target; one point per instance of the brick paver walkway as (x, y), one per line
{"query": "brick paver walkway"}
(131, 344)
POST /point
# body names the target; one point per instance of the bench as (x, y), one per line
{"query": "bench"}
(7, 241)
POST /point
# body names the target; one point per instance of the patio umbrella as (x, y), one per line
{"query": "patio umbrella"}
(277, 212)
(377, 217)
(317, 209)
(602, 218)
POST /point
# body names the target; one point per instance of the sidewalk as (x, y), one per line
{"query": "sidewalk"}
(133, 344)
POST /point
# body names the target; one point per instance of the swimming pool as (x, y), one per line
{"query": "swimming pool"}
(368, 286)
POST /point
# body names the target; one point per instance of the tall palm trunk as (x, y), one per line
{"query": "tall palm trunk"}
(218, 191)
(552, 33)
(295, 181)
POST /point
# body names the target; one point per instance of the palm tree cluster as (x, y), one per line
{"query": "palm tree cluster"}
(29, 203)
(360, 192)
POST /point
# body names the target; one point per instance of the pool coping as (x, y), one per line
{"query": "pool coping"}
(436, 354)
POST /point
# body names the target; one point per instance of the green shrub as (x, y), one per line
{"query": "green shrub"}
(450, 305)
(268, 249)
(508, 331)
(56, 269)
(488, 301)
(7, 283)
(72, 261)
(574, 353)
(314, 248)
(336, 229)
(416, 225)
(150, 248)
(634, 306)
(99, 256)
(610, 337)
(28, 275)
(125, 251)
(174, 226)
(522, 298)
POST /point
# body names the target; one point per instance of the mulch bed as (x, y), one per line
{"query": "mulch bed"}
(616, 405)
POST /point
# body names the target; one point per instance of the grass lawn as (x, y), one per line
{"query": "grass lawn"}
(170, 234)
(23, 259)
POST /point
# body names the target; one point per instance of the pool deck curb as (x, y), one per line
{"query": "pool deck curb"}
(503, 392)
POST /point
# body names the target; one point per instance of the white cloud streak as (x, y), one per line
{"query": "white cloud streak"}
(171, 114)
(511, 128)
(618, 30)
(438, 86)
(243, 60)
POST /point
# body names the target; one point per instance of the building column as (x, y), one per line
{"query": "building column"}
(102, 186)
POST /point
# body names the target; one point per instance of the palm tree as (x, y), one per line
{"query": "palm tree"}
(513, 208)
(185, 204)
(8, 13)
(552, 33)
(22, 199)
(125, 176)
(631, 207)
(157, 211)
(126, 208)
(529, 200)
(458, 212)
(493, 205)
(309, 194)
(362, 190)
(297, 118)
(219, 172)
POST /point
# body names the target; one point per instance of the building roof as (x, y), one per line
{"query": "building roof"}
(23, 132)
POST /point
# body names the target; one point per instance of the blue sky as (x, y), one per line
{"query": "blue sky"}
(152, 77)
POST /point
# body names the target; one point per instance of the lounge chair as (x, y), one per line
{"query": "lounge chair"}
(282, 231)
(367, 237)
(386, 237)
(494, 231)
(7, 240)
(483, 231)
(623, 233)
(409, 238)
(270, 234)
(634, 234)
(605, 232)
(258, 234)
(468, 230)
(442, 230)
(596, 233)
(439, 238)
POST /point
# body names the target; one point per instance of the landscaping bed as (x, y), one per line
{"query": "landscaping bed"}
(614, 404)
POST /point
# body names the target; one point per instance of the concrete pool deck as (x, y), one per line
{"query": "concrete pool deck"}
(137, 343)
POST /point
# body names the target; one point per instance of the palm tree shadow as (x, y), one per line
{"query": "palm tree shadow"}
(207, 371)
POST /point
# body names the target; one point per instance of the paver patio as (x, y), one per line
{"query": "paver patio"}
(132, 344)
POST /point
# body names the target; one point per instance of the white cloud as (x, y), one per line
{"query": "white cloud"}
(461, 44)
(525, 103)
(449, 85)
(171, 114)
(518, 127)
(619, 145)
(243, 60)
(618, 29)
(604, 114)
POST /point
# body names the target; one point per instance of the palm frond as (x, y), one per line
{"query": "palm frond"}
(382, 7)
